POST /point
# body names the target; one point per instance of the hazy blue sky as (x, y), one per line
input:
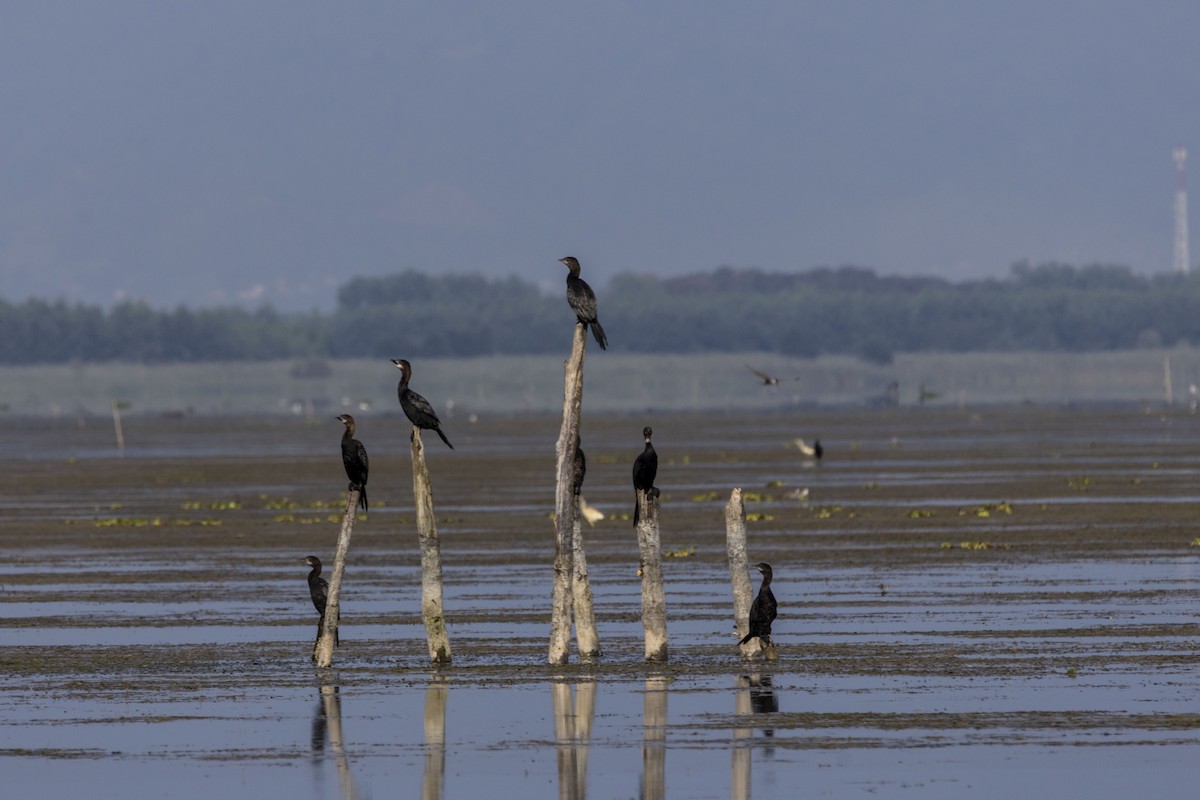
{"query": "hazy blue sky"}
(205, 152)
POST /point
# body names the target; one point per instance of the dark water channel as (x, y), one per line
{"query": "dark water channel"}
(972, 604)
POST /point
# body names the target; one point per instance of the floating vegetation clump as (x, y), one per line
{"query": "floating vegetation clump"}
(987, 509)
(758, 516)
(920, 513)
(152, 522)
(682, 552)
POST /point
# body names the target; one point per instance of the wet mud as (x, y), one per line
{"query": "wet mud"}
(947, 578)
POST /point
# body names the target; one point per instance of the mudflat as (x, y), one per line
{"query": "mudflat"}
(958, 588)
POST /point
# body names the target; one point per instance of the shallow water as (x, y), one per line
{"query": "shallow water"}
(971, 605)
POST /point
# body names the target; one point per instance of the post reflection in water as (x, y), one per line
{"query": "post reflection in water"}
(753, 695)
(573, 732)
(654, 738)
(327, 724)
(434, 779)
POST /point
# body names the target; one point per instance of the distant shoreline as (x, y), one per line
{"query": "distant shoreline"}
(614, 383)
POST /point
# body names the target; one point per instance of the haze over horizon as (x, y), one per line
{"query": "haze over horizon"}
(226, 152)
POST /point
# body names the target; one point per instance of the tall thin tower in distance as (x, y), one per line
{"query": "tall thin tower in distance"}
(1182, 259)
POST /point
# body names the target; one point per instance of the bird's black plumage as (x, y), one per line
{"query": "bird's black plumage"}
(764, 609)
(578, 471)
(354, 459)
(645, 469)
(818, 450)
(318, 590)
(417, 408)
(582, 300)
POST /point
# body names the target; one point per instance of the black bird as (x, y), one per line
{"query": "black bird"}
(318, 590)
(417, 408)
(354, 459)
(763, 610)
(578, 471)
(645, 468)
(818, 451)
(582, 300)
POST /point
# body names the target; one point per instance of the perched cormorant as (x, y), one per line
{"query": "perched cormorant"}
(582, 300)
(763, 610)
(354, 458)
(417, 408)
(318, 590)
(645, 468)
(578, 471)
(818, 451)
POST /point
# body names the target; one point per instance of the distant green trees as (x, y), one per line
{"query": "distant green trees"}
(846, 310)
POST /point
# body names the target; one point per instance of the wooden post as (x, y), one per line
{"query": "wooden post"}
(431, 557)
(323, 651)
(434, 778)
(739, 568)
(654, 602)
(116, 411)
(566, 505)
(586, 638)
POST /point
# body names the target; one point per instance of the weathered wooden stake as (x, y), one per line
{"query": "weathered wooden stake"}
(654, 601)
(323, 651)
(431, 557)
(586, 638)
(739, 569)
(572, 592)
(116, 409)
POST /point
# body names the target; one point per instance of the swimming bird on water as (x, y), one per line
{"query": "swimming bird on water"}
(582, 300)
(318, 590)
(764, 609)
(417, 408)
(645, 469)
(354, 459)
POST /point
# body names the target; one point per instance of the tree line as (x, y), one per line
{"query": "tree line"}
(844, 310)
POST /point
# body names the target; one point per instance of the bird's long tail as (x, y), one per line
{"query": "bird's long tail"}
(749, 636)
(636, 510)
(444, 439)
(598, 332)
(362, 497)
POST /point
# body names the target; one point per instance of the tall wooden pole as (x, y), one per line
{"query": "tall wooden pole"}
(654, 602)
(431, 557)
(323, 651)
(586, 638)
(566, 508)
(739, 569)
